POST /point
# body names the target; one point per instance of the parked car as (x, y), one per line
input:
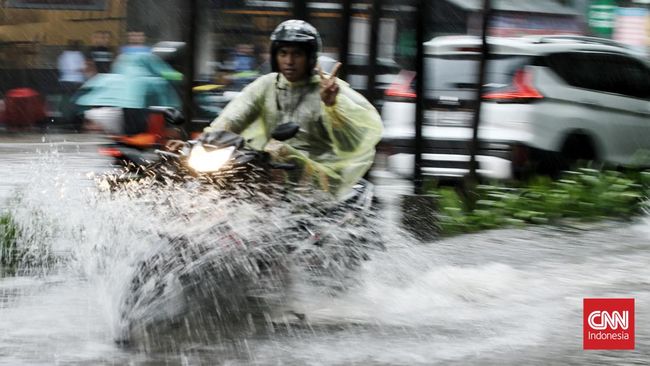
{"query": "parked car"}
(549, 101)
(386, 70)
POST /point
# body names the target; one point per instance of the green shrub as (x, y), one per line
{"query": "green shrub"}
(8, 235)
(584, 194)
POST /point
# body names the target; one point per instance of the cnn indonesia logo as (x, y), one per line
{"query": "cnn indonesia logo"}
(608, 323)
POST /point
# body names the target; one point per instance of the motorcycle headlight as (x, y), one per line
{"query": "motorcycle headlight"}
(204, 161)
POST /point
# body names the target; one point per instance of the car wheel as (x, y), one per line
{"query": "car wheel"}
(576, 148)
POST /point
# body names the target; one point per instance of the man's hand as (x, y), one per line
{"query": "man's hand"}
(329, 89)
(276, 149)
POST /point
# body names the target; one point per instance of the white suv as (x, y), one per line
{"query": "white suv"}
(548, 102)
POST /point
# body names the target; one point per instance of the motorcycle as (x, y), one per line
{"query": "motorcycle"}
(234, 271)
(139, 149)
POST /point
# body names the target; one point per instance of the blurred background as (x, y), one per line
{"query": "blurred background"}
(55, 57)
(230, 37)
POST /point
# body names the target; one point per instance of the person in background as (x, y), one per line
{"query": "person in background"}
(72, 74)
(136, 43)
(339, 128)
(100, 53)
(71, 64)
(119, 102)
(264, 62)
(244, 58)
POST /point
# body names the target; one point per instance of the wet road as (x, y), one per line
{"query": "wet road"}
(24, 156)
(501, 297)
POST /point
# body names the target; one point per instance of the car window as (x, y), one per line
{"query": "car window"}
(636, 79)
(611, 73)
(457, 75)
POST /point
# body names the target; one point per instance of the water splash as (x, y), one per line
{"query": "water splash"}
(489, 297)
(226, 250)
(180, 252)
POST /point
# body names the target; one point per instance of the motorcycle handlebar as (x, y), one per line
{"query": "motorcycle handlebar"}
(283, 166)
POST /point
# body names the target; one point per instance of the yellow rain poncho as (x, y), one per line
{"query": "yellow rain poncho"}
(335, 146)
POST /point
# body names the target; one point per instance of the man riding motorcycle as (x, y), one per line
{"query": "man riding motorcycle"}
(339, 128)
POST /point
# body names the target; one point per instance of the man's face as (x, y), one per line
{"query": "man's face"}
(292, 62)
(136, 37)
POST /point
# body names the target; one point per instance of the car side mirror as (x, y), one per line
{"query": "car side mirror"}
(285, 131)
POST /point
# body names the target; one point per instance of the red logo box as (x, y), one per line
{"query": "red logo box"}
(608, 323)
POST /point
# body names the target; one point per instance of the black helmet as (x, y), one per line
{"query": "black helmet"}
(296, 32)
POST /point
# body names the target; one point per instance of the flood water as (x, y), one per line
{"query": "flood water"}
(509, 296)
